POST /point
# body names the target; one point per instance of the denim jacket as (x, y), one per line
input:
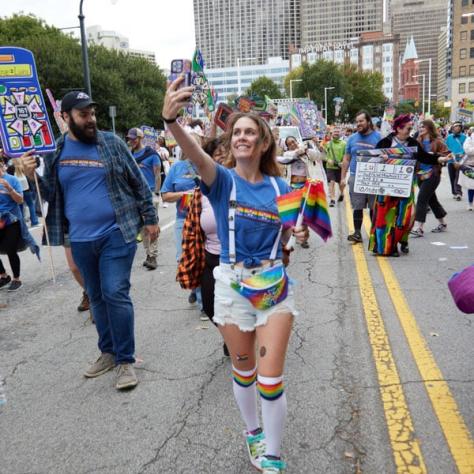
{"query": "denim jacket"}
(128, 190)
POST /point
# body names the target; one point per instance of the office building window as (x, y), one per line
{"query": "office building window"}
(471, 87)
(471, 53)
(464, 20)
(472, 34)
(462, 87)
(462, 71)
(463, 35)
(471, 70)
(463, 53)
(464, 3)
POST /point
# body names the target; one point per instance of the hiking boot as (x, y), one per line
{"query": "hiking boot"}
(151, 263)
(355, 237)
(332, 203)
(103, 364)
(84, 305)
(5, 280)
(255, 442)
(15, 285)
(126, 377)
(440, 228)
(271, 465)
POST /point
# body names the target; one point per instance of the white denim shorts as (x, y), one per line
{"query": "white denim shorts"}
(230, 307)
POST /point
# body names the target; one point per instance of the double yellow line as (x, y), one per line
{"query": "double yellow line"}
(406, 448)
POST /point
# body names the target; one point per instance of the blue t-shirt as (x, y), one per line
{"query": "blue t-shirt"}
(455, 143)
(7, 204)
(423, 167)
(357, 142)
(147, 166)
(86, 200)
(256, 218)
(181, 177)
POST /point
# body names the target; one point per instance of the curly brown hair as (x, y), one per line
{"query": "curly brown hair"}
(268, 161)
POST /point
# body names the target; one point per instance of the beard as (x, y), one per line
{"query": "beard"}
(85, 134)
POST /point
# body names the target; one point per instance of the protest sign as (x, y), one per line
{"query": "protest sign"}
(150, 135)
(385, 172)
(24, 122)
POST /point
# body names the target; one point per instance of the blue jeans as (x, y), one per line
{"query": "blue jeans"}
(29, 198)
(105, 265)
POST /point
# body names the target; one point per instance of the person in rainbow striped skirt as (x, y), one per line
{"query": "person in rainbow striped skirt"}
(254, 302)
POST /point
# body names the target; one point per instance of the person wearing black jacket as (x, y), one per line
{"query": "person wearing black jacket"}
(393, 217)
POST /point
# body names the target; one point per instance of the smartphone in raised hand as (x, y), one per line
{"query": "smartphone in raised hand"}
(181, 67)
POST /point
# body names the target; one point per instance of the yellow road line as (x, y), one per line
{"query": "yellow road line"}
(406, 449)
(452, 424)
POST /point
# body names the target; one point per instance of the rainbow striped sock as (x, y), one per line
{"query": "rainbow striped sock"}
(244, 378)
(270, 391)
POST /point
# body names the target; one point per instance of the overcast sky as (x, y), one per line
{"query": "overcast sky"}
(165, 27)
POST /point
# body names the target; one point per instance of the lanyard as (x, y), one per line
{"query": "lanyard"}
(232, 208)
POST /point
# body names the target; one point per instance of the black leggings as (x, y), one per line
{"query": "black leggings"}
(427, 197)
(9, 238)
(208, 283)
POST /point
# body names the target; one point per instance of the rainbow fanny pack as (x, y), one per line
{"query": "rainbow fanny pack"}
(265, 289)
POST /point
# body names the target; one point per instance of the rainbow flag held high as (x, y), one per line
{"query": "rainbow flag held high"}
(311, 203)
(289, 206)
(316, 215)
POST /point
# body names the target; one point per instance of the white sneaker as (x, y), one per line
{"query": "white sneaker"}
(165, 204)
(256, 447)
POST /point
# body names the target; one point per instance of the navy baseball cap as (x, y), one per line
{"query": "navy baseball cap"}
(76, 100)
(134, 133)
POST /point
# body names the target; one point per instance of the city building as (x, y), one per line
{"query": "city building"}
(442, 92)
(325, 21)
(238, 32)
(421, 19)
(372, 51)
(113, 40)
(235, 81)
(462, 60)
(409, 74)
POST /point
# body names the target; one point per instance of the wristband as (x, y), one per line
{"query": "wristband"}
(168, 120)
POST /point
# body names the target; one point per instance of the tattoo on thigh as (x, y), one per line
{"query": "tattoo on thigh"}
(263, 351)
(242, 357)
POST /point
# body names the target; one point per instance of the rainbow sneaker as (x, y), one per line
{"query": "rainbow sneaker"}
(255, 442)
(271, 465)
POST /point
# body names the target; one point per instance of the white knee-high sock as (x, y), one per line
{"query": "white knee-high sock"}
(245, 392)
(274, 410)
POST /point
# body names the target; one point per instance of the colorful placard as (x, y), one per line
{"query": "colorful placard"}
(385, 174)
(24, 122)
(150, 136)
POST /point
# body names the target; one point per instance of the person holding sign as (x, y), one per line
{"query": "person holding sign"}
(392, 217)
(364, 139)
(254, 303)
(98, 195)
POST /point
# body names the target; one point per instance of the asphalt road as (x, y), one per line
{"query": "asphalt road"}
(182, 417)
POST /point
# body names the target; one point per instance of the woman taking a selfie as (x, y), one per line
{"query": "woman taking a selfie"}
(248, 312)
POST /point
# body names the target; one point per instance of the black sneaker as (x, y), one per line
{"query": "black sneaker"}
(15, 285)
(404, 247)
(226, 350)
(305, 245)
(341, 198)
(151, 263)
(5, 280)
(192, 298)
(332, 203)
(355, 237)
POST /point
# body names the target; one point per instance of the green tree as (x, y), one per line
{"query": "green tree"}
(133, 85)
(359, 89)
(264, 86)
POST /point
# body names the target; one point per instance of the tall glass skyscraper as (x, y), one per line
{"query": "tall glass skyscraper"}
(246, 31)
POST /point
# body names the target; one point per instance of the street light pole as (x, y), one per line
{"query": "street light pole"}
(326, 89)
(423, 93)
(429, 81)
(291, 86)
(85, 56)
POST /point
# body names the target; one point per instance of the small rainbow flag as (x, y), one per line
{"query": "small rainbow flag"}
(315, 213)
(185, 202)
(289, 206)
